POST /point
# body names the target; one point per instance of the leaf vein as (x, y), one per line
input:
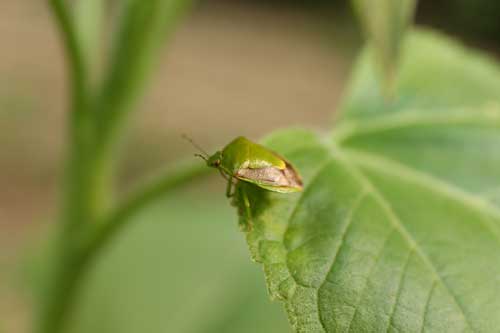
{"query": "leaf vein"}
(384, 164)
(303, 195)
(395, 220)
(400, 289)
(427, 304)
(345, 231)
(377, 259)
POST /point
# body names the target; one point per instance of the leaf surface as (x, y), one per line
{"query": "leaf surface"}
(435, 74)
(398, 228)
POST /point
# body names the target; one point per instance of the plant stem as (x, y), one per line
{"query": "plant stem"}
(138, 43)
(153, 190)
(70, 278)
(74, 53)
(80, 131)
(61, 295)
(79, 184)
(88, 24)
(90, 160)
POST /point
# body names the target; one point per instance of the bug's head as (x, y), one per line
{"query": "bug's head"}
(215, 160)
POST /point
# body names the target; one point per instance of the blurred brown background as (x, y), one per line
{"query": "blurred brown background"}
(226, 71)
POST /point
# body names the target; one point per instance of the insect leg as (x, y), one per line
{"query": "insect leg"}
(229, 188)
(248, 211)
(224, 175)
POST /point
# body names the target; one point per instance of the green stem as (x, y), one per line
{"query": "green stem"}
(80, 133)
(90, 158)
(145, 26)
(74, 53)
(71, 277)
(89, 15)
(78, 195)
(153, 190)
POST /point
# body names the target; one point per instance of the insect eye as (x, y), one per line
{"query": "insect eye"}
(217, 163)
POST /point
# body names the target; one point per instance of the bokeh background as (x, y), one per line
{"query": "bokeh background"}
(232, 68)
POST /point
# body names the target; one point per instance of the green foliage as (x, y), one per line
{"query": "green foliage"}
(180, 267)
(98, 106)
(385, 23)
(435, 75)
(137, 44)
(396, 229)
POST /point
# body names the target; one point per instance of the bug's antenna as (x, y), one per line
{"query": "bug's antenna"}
(203, 157)
(204, 154)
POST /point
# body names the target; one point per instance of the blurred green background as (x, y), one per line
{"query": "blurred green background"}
(232, 68)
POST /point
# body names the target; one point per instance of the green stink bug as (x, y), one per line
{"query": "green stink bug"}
(250, 162)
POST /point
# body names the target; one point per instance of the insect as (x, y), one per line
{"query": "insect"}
(250, 162)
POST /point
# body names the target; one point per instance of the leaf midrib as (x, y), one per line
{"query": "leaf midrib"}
(352, 158)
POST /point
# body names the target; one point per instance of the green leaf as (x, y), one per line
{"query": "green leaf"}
(459, 148)
(398, 228)
(435, 74)
(190, 277)
(385, 23)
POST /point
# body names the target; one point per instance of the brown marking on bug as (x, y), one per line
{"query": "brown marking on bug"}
(287, 177)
